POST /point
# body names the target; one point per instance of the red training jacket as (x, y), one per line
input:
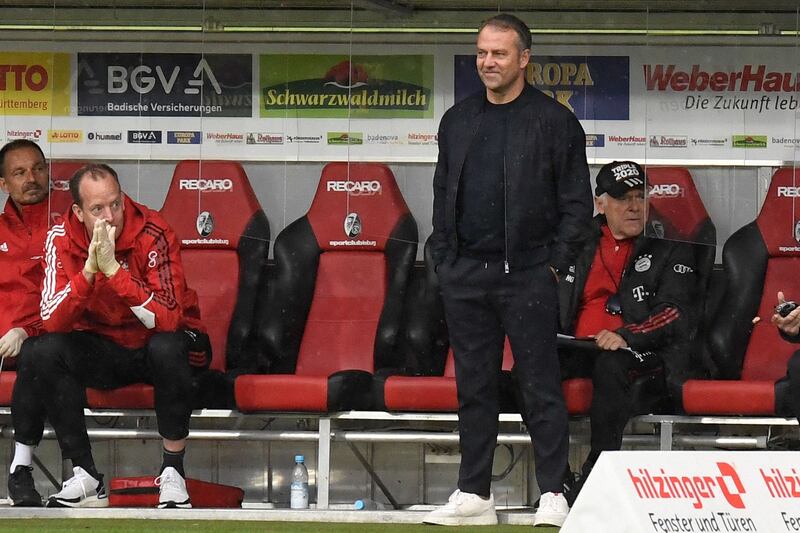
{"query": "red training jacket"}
(22, 234)
(148, 294)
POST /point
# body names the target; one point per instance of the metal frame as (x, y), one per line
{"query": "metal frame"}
(328, 431)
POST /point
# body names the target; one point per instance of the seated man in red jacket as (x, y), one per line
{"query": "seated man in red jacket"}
(634, 295)
(23, 225)
(115, 307)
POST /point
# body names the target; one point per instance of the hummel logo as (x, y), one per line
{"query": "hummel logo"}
(4, 247)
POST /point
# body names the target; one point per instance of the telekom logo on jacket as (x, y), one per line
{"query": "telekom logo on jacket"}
(659, 484)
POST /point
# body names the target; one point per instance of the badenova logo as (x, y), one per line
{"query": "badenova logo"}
(144, 136)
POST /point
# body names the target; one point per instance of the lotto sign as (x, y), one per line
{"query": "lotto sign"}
(34, 84)
(685, 492)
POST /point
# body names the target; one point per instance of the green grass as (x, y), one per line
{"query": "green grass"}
(73, 525)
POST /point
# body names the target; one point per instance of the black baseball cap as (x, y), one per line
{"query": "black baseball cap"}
(618, 178)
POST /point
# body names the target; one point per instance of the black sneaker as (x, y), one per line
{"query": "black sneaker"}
(21, 488)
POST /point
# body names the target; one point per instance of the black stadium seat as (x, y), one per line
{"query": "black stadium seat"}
(759, 259)
(335, 304)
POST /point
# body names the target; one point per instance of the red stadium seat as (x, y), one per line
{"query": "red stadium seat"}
(336, 297)
(431, 393)
(224, 237)
(60, 174)
(759, 259)
(60, 201)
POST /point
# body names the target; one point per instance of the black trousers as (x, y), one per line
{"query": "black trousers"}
(54, 370)
(483, 305)
(613, 404)
(793, 375)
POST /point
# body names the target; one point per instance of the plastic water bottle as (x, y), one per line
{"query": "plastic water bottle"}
(299, 491)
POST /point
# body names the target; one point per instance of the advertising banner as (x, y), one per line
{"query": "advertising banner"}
(592, 87)
(683, 492)
(34, 83)
(338, 86)
(165, 85)
(655, 104)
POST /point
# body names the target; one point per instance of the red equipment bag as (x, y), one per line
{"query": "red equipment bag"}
(143, 492)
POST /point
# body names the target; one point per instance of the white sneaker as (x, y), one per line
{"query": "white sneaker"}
(81, 490)
(464, 509)
(553, 510)
(172, 493)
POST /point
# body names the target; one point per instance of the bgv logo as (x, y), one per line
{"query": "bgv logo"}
(142, 80)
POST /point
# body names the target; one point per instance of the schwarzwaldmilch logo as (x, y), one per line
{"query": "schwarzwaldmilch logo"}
(352, 225)
(205, 224)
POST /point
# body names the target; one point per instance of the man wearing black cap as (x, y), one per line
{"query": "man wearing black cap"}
(632, 294)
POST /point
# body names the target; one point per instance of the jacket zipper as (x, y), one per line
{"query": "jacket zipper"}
(505, 204)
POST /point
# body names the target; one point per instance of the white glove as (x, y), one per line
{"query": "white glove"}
(104, 250)
(11, 342)
(90, 265)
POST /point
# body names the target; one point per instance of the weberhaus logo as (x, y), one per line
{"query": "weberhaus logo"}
(627, 140)
(225, 138)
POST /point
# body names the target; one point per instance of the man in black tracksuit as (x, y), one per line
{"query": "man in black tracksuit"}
(633, 294)
(511, 203)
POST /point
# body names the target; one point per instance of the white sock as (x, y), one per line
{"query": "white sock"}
(23, 455)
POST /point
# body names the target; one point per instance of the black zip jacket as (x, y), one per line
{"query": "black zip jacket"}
(548, 201)
(658, 296)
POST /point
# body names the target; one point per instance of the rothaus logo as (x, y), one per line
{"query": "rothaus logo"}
(144, 79)
(206, 185)
(790, 192)
(355, 188)
(205, 224)
(352, 225)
